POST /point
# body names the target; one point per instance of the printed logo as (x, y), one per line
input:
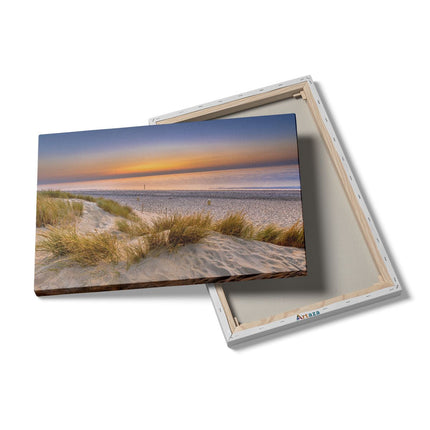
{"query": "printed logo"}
(306, 316)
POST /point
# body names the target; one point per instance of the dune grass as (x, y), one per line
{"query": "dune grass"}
(235, 224)
(135, 251)
(167, 232)
(57, 213)
(181, 234)
(173, 231)
(268, 233)
(107, 205)
(292, 236)
(86, 249)
(133, 228)
(182, 229)
(157, 241)
(167, 222)
(65, 195)
(115, 208)
(51, 211)
(283, 236)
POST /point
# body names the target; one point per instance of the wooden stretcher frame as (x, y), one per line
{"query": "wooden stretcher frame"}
(387, 283)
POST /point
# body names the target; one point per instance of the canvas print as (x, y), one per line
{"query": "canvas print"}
(178, 204)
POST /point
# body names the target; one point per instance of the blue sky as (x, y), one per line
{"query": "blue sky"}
(166, 150)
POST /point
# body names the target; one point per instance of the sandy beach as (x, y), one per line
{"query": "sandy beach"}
(215, 256)
(283, 207)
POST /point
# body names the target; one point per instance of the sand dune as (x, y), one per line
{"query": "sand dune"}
(215, 256)
(218, 255)
(94, 218)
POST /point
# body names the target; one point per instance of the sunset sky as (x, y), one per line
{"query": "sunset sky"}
(243, 152)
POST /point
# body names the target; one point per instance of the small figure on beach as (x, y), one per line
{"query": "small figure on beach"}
(209, 202)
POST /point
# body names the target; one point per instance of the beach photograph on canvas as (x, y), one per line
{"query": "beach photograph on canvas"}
(188, 203)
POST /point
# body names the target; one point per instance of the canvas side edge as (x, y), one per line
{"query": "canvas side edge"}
(354, 184)
(156, 119)
(219, 310)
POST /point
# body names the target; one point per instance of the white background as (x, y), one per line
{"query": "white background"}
(156, 359)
